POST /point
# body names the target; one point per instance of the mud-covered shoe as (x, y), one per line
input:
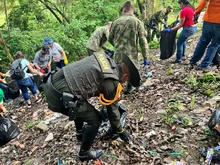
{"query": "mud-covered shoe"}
(90, 155)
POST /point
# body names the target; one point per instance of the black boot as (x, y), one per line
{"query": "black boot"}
(89, 135)
(79, 129)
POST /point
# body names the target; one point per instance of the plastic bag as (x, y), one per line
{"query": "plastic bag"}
(105, 127)
(168, 43)
(8, 130)
(214, 122)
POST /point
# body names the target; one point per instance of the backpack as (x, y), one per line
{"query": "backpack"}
(13, 89)
(16, 71)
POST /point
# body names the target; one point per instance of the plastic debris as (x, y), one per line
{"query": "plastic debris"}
(176, 163)
(148, 74)
(58, 162)
(209, 157)
(214, 122)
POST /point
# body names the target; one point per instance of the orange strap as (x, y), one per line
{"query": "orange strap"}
(106, 102)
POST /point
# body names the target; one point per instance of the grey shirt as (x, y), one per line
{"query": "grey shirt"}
(42, 60)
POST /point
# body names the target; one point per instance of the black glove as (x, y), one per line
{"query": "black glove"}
(125, 135)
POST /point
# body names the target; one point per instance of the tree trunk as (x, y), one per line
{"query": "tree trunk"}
(5, 48)
(4, 41)
(151, 7)
(51, 10)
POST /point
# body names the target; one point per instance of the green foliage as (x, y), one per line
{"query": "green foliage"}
(207, 83)
(31, 21)
(154, 44)
(31, 123)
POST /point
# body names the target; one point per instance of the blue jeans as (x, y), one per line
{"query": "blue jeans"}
(27, 83)
(210, 33)
(5, 90)
(60, 64)
(181, 42)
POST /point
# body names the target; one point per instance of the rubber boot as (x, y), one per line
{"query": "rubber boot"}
(79, 130)
(89, 135)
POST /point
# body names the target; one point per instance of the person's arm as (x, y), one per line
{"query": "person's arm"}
(33, 70)
(49, 63)
(143, 40)
(180, 24)
(2, 74)
(109, 92)
(36, 60)
(62, 52)
(111, 35)
(37, 66)
(160, 17)
(200, 6)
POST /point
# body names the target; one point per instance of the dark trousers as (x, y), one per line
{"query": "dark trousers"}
(60, 64)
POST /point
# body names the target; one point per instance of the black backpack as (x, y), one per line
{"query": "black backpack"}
(17, 72)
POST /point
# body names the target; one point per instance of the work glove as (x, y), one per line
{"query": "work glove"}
(125, 135)
(146, 62)
(42, 71)
(66, 62)
(168, 30)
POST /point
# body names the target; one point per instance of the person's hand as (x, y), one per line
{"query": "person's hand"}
(125, 135)
(2, 109)
(168, 30)
(41, 74)
(146, 62)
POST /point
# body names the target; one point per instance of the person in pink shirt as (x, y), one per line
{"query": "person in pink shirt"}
(189, 28)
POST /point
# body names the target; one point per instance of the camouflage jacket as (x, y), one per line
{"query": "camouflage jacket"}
(98, 38)
(124, 35)
(160, 16)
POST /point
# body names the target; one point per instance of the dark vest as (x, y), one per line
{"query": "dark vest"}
(85, 77)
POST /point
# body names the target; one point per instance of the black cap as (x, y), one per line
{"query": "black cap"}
(134, 74)
(46, 49)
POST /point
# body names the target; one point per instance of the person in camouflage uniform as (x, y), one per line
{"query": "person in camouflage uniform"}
(160, 17)
(98, 39)
(126, 32)
(124, 35)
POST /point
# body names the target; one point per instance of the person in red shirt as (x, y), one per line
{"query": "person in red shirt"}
(189, 28)
(210, 38)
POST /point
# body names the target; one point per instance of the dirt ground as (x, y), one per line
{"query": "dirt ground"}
(156, 139)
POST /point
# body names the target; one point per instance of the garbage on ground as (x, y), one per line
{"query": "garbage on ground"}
(8, 130)
(214, 122)
(148, 74)
(105, 128)
(176, 163)
(211, 154)
(209, 157)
